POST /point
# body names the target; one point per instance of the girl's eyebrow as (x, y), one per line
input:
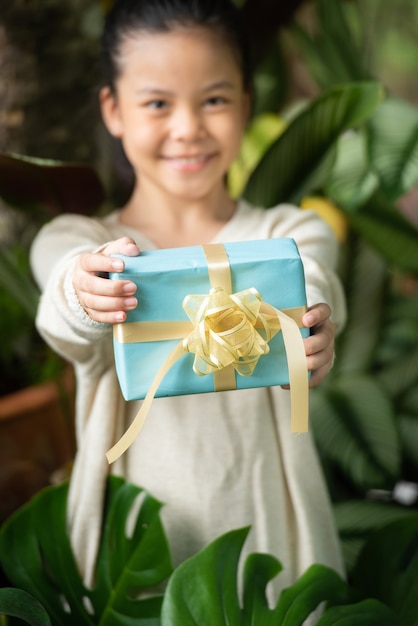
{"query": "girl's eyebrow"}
(157, 91)
(220, 84)
(153, 91)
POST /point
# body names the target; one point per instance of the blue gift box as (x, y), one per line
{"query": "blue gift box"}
(165, 277)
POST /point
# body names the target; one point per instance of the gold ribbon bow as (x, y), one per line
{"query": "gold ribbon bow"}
(227, 332)
(224, 331)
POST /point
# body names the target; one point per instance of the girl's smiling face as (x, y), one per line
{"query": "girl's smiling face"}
(179, 108)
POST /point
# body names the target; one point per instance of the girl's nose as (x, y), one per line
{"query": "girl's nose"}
(186, 124)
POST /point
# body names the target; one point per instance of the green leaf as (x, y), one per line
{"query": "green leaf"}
(354, 426)
(387, 568)
(270, 82)
(408, 424)
(401, 374)
(259, 568)
(351, 182)
(382, 225)
(258, 137)
(18, 603)
(357, 519)
(365, 284)
(36, 555)
(316, 585)
(16, 279)
(285, 173)
(394, 146)
(366, 613)
(400, 332)
(49, 187)
(203, 591)
(330, 53)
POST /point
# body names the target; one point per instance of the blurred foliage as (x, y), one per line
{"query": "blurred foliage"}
(205, 590)
(379, 39)
(356, 170)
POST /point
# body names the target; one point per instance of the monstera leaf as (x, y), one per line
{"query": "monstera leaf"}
(37, 557)
(18, 603)
(387, 568)
(203, 591)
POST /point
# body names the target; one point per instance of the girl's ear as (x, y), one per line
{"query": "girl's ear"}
(110, 112)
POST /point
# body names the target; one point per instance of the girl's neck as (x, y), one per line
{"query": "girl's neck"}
(176, 222)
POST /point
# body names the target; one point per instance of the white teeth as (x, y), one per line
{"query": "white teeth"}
(189, 160)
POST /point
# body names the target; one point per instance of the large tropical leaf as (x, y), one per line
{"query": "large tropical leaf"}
(18, 603)
(49, 187)
(387, 568)
(357, 520)
(365, 283)
(354, 426)
(364, 196)
(16, 279)
(382, 225)
(204, 591)
(37, 557)
(331, 51)
(401, 374)
(394, 146)
(258, 137)
(366, 613)
(294, 164)
(401, 322)
(352, 181)
(270, 84)
(408, 423)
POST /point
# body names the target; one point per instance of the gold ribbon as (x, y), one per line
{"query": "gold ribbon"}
(227, 333)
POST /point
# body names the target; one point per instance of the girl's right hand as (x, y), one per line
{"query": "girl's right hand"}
(105, 301)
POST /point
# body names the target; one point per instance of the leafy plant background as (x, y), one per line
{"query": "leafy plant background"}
(365, 417)
(134, 557)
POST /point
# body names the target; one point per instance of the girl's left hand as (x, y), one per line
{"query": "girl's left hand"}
(319, 347)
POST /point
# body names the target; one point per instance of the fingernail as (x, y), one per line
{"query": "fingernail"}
(129, 288)
(130, 302)
(308, 320)
(120, 317)
(117, 264)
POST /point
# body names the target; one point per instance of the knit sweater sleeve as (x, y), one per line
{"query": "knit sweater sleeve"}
(61, 320)
(319, 251)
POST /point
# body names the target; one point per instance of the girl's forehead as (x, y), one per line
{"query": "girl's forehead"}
(199, 47)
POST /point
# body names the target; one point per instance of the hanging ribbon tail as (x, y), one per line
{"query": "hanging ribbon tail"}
(298, 373)
(135, 428)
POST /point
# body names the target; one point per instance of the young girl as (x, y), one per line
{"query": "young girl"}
(177, 96)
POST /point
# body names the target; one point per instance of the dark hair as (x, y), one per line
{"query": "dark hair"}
(126, 17)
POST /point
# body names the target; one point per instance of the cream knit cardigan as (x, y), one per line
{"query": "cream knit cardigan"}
(218, 461)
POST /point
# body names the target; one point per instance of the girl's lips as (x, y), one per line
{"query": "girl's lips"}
(188, 163)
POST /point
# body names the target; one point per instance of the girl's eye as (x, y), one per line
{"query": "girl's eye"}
(156, 104)
(215, 101)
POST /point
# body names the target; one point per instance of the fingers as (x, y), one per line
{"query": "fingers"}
(105, 301)
(316, 314)
(319, 346)
(124, 245)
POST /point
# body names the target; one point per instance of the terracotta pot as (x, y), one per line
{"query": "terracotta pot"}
(36, 439)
